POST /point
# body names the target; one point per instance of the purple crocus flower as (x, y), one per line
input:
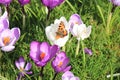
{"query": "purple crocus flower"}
(88, 51)
(4, 23)
(41, 53)
(75, 19)
(69, 76)
(24, 2)
(8, 38)
(20, 64)
(116, 2)
(5, 2)
(52, 3)
(60, 63)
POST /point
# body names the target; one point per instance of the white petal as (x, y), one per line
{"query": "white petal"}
(7, 48)
(61, 41)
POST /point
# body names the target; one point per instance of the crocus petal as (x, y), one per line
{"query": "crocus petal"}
(40, 63)
(16, 32)
(45, 47)
(5, 23)
(7, 48)
(24, 2)
(61, 42)
(30, 72)
(88, 51)
(19, 77)
(74, 78)
(67, 69)
(52, 3)
(75, 19)
(17, 64)
(67, 75)
(54, 49)
(50, 32)
(5, 2)
(116, 2)
(34, 46)
(22, 62)
(28, 66)
(34, 56)
(4, 16)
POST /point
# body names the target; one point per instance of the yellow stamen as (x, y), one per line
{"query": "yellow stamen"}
(76, 22)
(21, 69)
(6, 40)
(42, 55)
(60, 64)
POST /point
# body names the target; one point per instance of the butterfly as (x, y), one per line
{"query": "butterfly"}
(61, 32)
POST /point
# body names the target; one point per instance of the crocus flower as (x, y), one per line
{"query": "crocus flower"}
(41, 53)
(81, 31)
(58, 32)
(75, 19)
(52, 3)
(5, 2)
(4, 23)
(20, 64)
(88, 51)
(116, 2)
(60, 63)
(69, 76)
(24, 2)
(8, 38)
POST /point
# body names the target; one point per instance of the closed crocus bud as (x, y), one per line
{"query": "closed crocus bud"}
(88, 51)
(52, 3)
(24, 2)
(116, 2)
(5, 2)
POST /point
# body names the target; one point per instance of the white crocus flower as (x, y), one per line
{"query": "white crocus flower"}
(81, 31)
(58, 32)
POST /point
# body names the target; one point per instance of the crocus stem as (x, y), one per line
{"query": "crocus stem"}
(41, 72)
(63, 48)
(77, 48)
(48, 16)
(54, 76)
(117, 74)
(23, 11)
(84, 61)
(109, 19)
(108, 23)
(0, 54)
(7, 9)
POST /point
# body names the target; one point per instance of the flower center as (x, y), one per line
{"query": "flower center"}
(21, 69)
(42, 55)
(85, 31)
(60, 64)
(76, 23)
(6, 40)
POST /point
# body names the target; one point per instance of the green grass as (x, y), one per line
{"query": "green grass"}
(106, 48)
